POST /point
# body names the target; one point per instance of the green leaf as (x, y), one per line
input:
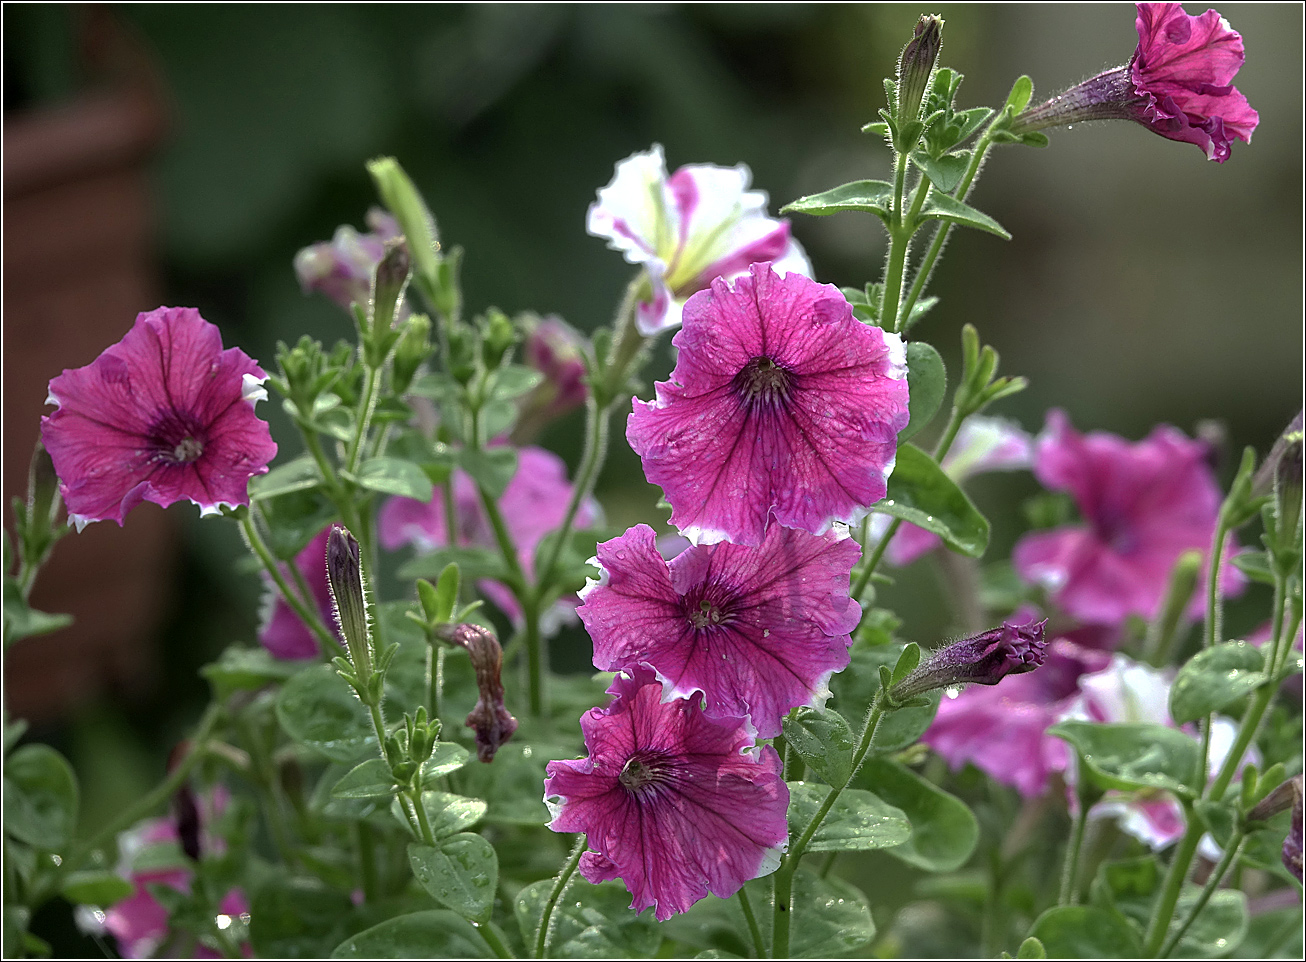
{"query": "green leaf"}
(40, 797)
(296, 918)
(1021, 91)
(246, 669)
(830, 917)
(855, 686)
(824, 739)
(393, 476)
(1128, 755)
(945, 208)
(491, 468)
(873, 196)
(1032, 948)
(1085, 932)
(318, 708)
(1255, 565)
(944, 173)
(1214, 679)
(23, 621)
(301, 474)
(462, 874)
(1129, 887)
(16, 919)
(513, 380)
(440, 600)
(906, 663)
(371, 779)
(448, 814)
(858, 821)
(473, 563)
(434, 934)
(447, 757)
(927, 383)
(920, 492)
(96, 887)
(593, 921)
(943, 830)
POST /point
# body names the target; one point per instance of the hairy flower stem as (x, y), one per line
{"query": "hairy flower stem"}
(366, 845)
(900, 231)
(1163, 911)
(759, 947)
(596, 448)
(311, 619)
(784, 876)
(1070, 870)
(1231, 853)
(941, 232)
(363, 419)
(1213, 610)
(555, 895)
(491, 935)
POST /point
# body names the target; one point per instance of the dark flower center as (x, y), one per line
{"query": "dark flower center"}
(177, 439)
(763, 382)
(709, 606)
(643, 771)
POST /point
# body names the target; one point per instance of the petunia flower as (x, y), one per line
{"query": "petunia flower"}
(1178, 84)
(1002, 730)
(781, 405)
(533, 504)
(1143, 506)
(342, 268)
(982, 445)
(688, 229)
(164, 415)
(672, 802)
(757, 630)
(552, 347)
(282, 633)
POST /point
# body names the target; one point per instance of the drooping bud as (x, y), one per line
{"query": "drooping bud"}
(983, 659)
(345, 578)
(491, 722)
(1280, 800)
(553, 348)
(916, 65)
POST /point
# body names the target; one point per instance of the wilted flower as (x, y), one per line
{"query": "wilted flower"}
(164, 415)
(688, 229)
(1292, 844)
(982, 659)
(1143, 505)
(1177, 84)
(489, 719)
(781, 407)
(757, 630)
(342, 268)
(672, 802)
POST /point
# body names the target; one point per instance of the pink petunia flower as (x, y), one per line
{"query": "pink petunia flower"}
(757, 630)
(282, 633)
(675, 804)
(982, 445)
(1177, 84)
(342, 268)
(164, 415)
(532, 505)
(781, 404)
(1143, 506)
(688, 229)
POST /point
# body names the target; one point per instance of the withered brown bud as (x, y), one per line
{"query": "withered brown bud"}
(491, 722)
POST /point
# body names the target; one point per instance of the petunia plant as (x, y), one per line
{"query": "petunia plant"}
(390, 767)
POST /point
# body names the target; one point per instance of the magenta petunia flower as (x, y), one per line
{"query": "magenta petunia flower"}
(1178, 84)
(282, 633)
(532, 505)
(1002, 730)
(164, 415)
(781, 405)
(757, 630)
(553, 347)
(342, 267)
(688, 229)
(1143, 505)
(982, 445)
(675, 804)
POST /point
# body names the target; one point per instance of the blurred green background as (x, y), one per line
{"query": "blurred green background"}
(1144, 284)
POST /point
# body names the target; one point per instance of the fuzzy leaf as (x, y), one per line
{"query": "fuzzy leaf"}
(927, 383)
(945, 208)
(1128, 756)
(1214, 679)
(943, 830)
(859, 821)
(434, 934)
(824, 739)
(920, 492)
(462, 874)
(873, 196)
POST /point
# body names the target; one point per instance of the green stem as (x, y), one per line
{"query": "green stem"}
(941, 234)
(759, 948)
(1213, 612)
(1070, 871)
(450, 513)
(423, 820)
(596, 449)
(555, 894)
(311, 619)
(367, 860)
(1175, 877)
(899, 238)
(491, 935)
(366, 405)
(1230, 855)
(784, 876)
(535, 659)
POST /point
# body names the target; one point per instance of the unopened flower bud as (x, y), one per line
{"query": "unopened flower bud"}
(414, 348)
(1279, 800)
(392, 273)
(916, 65)
(345, 578)
(491, 722)
(497, 336)
(42, 489)
(983, 659)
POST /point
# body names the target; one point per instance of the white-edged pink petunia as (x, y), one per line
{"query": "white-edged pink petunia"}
(782, 407)
(672, 802)
(164, 415)
(688, 229)
(757, 630)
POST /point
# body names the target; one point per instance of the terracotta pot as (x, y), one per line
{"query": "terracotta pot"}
(78, 266)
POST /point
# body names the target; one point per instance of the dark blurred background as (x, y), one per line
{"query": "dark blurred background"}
(1144, 284)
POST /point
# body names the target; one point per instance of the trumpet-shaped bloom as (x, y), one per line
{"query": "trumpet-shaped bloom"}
(672, 802)
(342, 267)
(699, 224)
(757, 630)
(781, 405)
(282, 633)
(1143, 505)
(164, 415)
